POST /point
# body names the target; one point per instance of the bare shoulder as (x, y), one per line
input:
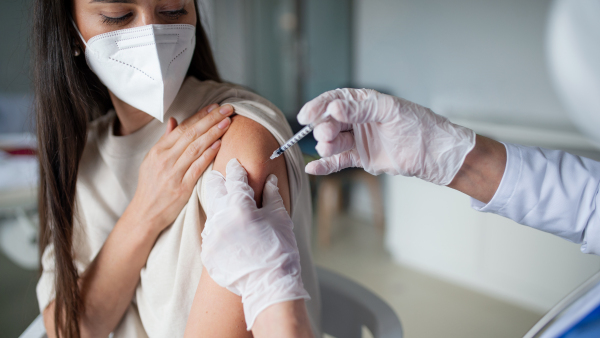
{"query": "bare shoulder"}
(252, 145)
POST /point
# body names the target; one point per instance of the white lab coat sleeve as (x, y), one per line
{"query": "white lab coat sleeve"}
(552, 191)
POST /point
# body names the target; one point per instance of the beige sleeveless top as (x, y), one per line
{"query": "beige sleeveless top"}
(106, 184)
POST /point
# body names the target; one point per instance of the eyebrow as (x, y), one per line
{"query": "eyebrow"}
(114, 1)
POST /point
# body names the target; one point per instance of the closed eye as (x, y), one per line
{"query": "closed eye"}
(174, 15)
(115, 21)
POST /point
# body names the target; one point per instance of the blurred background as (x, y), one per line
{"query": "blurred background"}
(445, 269)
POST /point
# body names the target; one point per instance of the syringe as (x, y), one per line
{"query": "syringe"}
(300, 135)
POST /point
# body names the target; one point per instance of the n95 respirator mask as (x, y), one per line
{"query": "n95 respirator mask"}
(143, 66)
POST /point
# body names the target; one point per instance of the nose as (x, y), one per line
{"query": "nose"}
(147, 16)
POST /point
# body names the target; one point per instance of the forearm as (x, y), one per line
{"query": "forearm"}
(229, 255)
(108, 284)
(552, 191)
(482, 171)
(286, 319)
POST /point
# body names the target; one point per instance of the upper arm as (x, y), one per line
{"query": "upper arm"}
(48, 316)
(252, 145)
(216, 312)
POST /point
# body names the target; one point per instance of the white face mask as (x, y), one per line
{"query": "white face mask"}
(143, 66)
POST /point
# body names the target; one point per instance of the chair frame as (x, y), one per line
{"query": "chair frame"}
(347, 306)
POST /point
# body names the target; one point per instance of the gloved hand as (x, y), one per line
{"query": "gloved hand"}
(385, 134)
(252, 252)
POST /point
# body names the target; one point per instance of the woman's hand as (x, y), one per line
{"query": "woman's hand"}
(172, 167)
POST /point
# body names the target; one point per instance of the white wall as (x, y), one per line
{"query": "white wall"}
(433, 229)
(478, 59)
(227, 25)
(254, 44)
(481, 62)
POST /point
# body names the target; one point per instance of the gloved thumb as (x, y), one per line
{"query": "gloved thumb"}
(236, 182)
(271, 197)
(335, 163)
(235, 172)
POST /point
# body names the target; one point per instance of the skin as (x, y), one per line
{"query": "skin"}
(287, 319)
(482, 171)
(167, 176)
(166, 179)
(97, 17)
(251, 144)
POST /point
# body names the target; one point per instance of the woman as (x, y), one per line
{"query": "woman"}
(120, 196)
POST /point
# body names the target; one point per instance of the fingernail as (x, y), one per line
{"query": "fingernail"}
(223, 124)
(226, 109)
(216, 145)
(212, 107)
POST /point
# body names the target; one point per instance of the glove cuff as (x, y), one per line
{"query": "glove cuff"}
(454, 158)
(286, 289)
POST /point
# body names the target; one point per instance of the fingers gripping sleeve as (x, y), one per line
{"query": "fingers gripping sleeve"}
(552, 191)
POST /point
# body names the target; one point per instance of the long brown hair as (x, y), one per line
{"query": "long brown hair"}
(67, 96)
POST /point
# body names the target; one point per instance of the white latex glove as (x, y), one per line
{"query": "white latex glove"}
(385, 134)
(252, 252)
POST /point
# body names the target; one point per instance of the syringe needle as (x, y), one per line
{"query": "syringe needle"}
(299, 135)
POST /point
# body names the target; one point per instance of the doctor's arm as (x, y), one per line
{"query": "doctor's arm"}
(482, 171)
(549, 190)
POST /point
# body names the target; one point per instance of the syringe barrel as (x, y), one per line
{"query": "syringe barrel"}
(299, 135)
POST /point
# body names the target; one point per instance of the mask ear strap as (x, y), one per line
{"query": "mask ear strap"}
(77, 30)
